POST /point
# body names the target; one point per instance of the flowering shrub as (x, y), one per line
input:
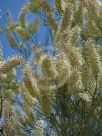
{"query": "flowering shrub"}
(64, 96)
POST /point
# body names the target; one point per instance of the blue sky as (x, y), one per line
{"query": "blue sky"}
(14, 6)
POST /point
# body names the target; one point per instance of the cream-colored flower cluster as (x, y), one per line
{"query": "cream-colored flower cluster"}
(30, 82)
(11, 63)
(77, 66)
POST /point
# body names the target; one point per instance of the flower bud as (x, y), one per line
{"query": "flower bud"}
(91, 56)
(45, 101)
(11, 40)
(48, 68)
(30, 83)
(75, 83)
(23, 33)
